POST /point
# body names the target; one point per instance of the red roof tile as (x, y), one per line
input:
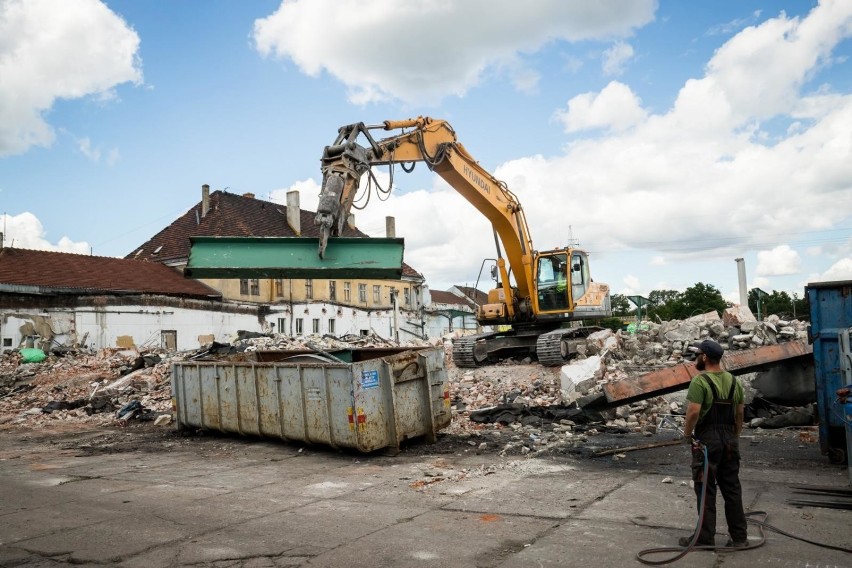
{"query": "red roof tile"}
(95, 274)
(231, 215)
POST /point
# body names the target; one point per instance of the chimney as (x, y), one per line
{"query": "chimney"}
(205, 200)
(390, 227)
(294, 212)
(249, 194)
(742, 280)
(350, 221)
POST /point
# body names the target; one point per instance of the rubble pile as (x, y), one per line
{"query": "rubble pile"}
(606, 356)
(84, 387)
(517, 407)
(116, 385)
(249, 341)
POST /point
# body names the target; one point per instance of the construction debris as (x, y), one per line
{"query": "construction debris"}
(519, 407)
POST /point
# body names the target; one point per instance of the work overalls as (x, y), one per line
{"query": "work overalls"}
(716, 432)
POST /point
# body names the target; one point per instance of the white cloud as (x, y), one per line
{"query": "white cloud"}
(57, 50)
(839, 271)
(85, 147)
(780, 261)
(632, 282)
(761, 282)
(616, 107)
(616, 57)
(420, 52)
(700, 181)
(26, 231)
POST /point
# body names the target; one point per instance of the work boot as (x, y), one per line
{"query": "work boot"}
(685, 540)
(734, 544)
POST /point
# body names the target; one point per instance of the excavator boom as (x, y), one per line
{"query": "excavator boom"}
(537, 292)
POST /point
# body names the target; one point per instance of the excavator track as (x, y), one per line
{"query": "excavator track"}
(463, 352)
(555, 348)
(548, 348)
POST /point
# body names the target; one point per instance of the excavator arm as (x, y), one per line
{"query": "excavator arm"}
(434, 142)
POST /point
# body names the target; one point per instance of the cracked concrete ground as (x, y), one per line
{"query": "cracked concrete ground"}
(144, 497)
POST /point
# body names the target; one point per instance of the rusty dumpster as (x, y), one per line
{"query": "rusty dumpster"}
(317, 399)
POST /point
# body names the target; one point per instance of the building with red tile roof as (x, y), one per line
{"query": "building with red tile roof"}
(47, 273)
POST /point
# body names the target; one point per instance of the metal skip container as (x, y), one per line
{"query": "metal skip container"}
(831, 319)
(367, 405)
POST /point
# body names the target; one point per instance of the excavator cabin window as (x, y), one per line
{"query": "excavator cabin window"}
(552, 282)
(579, 275)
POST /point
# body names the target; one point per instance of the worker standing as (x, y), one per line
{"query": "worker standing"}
(714, 419)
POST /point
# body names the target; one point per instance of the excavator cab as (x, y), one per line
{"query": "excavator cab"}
(552, 282)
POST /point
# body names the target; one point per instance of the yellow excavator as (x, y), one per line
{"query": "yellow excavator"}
(537, 292)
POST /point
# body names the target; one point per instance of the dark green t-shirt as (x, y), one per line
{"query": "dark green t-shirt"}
(700, 393)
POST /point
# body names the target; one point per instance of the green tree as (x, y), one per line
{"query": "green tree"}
(620, 305)
(699, 299)
(778, 303)
(663, 304)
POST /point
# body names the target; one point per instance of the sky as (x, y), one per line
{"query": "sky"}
(668, 138)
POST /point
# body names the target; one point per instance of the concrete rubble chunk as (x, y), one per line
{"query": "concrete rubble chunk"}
(737, 315)
(579, 376)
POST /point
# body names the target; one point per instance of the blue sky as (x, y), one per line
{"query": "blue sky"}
(668, 137)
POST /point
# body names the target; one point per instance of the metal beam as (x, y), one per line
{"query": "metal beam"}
(294, 257)
(671, 379)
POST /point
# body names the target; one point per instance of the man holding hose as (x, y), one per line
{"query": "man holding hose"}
(714, 416)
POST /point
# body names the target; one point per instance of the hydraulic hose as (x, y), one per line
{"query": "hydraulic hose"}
(681, 552)
(760, 522)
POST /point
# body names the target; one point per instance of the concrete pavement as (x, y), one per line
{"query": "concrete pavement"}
(224, 501)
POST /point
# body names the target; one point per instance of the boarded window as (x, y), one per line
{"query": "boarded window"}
(168, 339)
(309, 288)
(332, 290)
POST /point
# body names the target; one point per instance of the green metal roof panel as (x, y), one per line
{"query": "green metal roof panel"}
(294, 257)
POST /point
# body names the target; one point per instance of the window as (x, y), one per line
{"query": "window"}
(315, 325)
(331, 326)
(347, 291)
(332, 290)
(299, 326)
(407, 296)
(168, 339)
(282, 325)
(377, 294)
(309, 288)
(362, 293)
(364, 332)
(279, 287)
(7, 341)
(244, 287)
(255, 287)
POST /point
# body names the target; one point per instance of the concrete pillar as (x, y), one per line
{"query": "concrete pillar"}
(205, 200)
(742, 280)
(294, 212)
(390, 227)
